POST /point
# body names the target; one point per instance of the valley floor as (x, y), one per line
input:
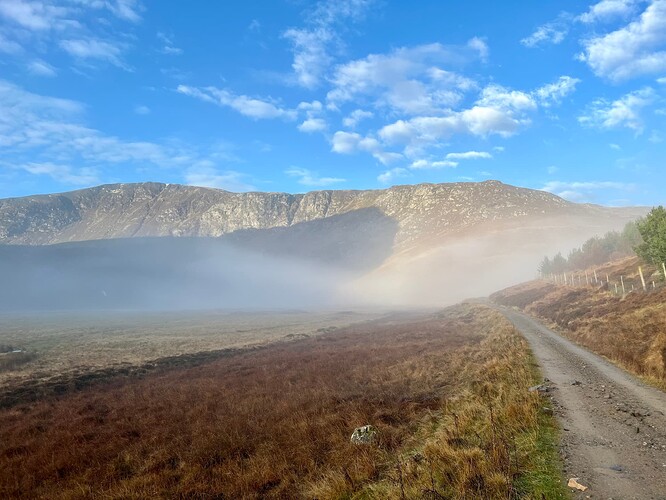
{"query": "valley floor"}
(447, 393)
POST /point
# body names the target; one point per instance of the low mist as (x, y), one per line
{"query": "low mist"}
(344, 261)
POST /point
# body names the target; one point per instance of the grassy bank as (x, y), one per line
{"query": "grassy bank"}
(629, 330)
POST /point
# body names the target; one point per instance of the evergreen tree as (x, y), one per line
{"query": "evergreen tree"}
(653, 230)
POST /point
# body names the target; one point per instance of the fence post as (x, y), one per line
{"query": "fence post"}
(624, 291)
(595, 276)
(640, 271)
(587, 279)
(616, 289)
(663, 266)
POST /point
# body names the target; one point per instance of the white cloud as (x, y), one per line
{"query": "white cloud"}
(32, 15)
(429, 164)
(313, 125)
(584, 191)
(355, 117)
(607, 10)
(168, 45)
(63, 173)
(70, 24)
(9, 46)
(206, 175)
(129, 10)
(92, 48)
(312, 44)
(623, 112)
(469, 155)
(499, 97)
(391, 175)
(47, 134)
(251, 107)
(480, 46)
(41, 68)
(616, 147)
(553, 93)
(635, 50)
(351, 142)
(309, 178)
(408, 80)
(554, 32)
(142, 110)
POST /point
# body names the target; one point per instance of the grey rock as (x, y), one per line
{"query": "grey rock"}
(366, 434)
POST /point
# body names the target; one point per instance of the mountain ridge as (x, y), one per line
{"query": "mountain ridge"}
(157, 209)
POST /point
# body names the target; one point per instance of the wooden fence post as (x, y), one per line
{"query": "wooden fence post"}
(624, 291)
(663, 266)
(595, 276)
(640, 271)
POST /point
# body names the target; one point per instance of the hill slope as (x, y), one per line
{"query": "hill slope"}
(427, 244)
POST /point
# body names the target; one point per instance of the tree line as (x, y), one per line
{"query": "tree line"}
(646, 238)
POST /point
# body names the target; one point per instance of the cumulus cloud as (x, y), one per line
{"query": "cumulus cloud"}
(257, 109)
(607, 10)
(553, 93)
(355, 117)
(469, 155)
(480, 46)
(623, 112)
(429, 164)
(391, 175)
(407, 80)
(312, 179)
(312, 44)
(635, 50)
(313, 125)
(549, 33)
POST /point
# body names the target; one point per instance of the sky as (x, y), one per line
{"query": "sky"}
(294, 95)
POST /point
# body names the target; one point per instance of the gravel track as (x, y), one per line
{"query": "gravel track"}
(614, 425)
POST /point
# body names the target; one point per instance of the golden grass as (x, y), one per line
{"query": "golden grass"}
(629, 330)
(448, 395)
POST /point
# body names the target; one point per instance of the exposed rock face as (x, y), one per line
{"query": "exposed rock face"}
(152, 209)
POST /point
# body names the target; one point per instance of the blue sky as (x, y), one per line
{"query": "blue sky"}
(292, 95)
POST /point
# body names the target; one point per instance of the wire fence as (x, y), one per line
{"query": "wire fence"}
(643, 280)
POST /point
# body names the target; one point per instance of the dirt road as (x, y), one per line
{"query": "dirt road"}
(614, 437)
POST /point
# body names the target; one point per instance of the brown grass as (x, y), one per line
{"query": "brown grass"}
(630, 330)
(275, 423)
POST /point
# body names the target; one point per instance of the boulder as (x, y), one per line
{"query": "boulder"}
(364, 435)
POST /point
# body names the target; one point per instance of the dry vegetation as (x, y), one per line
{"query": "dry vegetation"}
(629, 330)
(64, 345)
(448, 395)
